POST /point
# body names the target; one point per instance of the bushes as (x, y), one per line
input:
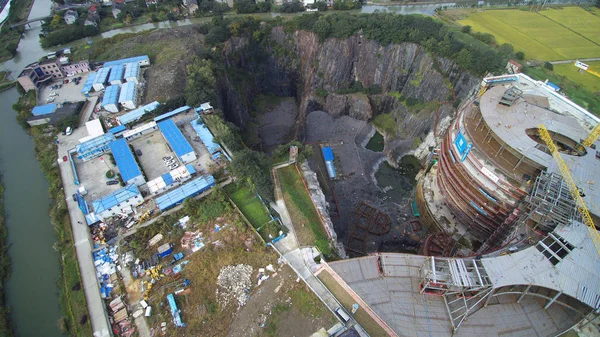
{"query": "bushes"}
(386, 124)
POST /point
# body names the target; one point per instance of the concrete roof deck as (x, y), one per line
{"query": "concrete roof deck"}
(510, 124)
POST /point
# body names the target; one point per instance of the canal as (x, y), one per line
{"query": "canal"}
(31, 291)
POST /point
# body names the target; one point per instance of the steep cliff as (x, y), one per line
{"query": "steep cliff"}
(354, 76)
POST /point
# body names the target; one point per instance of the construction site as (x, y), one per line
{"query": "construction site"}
(508, 201)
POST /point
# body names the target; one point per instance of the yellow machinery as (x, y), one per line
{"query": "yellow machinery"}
(564, 170)
(592, 137)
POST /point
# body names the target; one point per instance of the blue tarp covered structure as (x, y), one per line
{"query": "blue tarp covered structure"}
(179, 194)
(171, 113)
(175, 311)
(125, 160)
(136, 114)
(328, 156)
(205, 136)
(115, 198)
(45, 109)
(175, 138)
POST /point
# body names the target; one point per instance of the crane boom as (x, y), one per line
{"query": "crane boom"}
(564, 170)
(592, 137)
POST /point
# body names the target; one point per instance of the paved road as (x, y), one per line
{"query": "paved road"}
(83, 244)
(573, 61)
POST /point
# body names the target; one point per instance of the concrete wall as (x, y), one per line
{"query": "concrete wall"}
(188, 157)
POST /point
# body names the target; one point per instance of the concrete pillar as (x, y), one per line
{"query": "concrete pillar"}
(552, 300)
(524, 293)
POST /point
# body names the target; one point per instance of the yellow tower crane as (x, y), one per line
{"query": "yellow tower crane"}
(592, 137)
(564, 170)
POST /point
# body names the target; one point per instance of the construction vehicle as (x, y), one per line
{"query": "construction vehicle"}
(575, 192)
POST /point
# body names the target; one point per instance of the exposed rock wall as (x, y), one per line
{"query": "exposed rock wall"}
(298, 64)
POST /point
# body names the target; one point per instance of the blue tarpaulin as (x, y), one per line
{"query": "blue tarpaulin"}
(45, 109)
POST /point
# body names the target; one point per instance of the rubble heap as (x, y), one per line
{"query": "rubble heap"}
(234, 283)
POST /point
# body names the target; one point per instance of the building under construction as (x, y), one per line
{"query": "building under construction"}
(495, 181)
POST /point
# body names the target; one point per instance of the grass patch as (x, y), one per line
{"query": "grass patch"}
(361, 316)
(254, 210)
(385, 123)
(306, 220)
(574, 91)
(576, 19)
(534, 34)
(586, 80)
(376, 143)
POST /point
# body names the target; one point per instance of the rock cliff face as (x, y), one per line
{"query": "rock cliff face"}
(401, 79)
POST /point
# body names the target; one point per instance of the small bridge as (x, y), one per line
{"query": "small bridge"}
(28, 22)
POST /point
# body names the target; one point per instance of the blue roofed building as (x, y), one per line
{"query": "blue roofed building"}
(328, 156)
(143, 60)
(205, 136)
(89, 84)
(178, 195)
(128, 167)
(171, 113)
(101, 79)
(45, 109)
(135, 115)
(94, 147)
(177, 141)
(168, 180)
(132, 72)
(128, 96)
(117, 130)
(116, 74)
(120, 201)
(110, 101)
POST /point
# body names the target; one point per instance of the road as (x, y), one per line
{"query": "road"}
(573, 61)
(83, 244)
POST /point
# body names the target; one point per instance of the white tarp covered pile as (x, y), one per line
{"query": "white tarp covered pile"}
(234, 283)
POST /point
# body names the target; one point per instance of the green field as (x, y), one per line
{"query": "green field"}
(534, 34)
(585, 79)
(578, 20)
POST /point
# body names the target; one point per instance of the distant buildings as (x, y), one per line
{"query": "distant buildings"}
(75, 68)
(513, 67)
(93, 17)
(191, 5)
(116, 7)
(71, 17)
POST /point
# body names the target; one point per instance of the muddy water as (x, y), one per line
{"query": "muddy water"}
(399, 183)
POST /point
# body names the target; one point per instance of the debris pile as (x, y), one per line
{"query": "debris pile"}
(234, 283)
(105, 262)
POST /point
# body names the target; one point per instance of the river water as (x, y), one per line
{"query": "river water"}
(31, 291)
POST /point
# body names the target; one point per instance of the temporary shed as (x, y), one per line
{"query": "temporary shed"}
(132, 72)
(205, 136)
(101, 78)
(94, 147)
(171, 113)
(167, 180)
(178, 195)
(45, 109)
(134, 115)
(328, 156)
(117, 130)
(142, 60)
(116, 74)
(128, 167)
(120, 201)
(177, 141)
(140, 130)
(128, 96)
(111, 99)
(88, 85)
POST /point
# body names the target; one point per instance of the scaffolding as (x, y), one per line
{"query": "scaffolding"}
(552, 203)
(510, 96)
(463, 283)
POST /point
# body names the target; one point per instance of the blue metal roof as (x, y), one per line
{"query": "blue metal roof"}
(167, 178)
(89, 82)
(327, 153)
(553, 86)
(171, 113)
(205, 136)
(175, 138)
(127, 60)
(111, 95)
(190, 168)
(125, 160)
(101, 75)
(136, 114)
(45, 109)
(115, 198)
(116, 72)
(132, 69)
(95, 143)
(127, 92)
(179, 194)
(117, 129)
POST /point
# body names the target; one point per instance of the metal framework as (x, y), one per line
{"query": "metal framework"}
(564, 170)
(592, 137)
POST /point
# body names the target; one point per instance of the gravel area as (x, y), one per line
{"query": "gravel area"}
(234, 284)
(356, 167)
(274, 126)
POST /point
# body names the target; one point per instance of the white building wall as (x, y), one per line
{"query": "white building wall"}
(98, 86)
(188, 157)
(111, 108)
(124, 207)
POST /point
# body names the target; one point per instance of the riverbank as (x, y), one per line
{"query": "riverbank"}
(9, 38)
(5, 329)
(75, 318)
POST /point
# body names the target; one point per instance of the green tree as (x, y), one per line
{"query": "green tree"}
(252, 168)
(466, 29)
(520, 55)
(56, 21)
(201, 83)
(549, 66)
(463, 58)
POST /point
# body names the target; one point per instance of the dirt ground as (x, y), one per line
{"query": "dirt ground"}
(356, 175)
(274, 125)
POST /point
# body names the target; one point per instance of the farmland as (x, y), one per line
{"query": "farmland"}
(585, 79)
(578, 20)
(538, 36)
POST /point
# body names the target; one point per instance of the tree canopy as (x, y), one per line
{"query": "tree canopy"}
(201, 83)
